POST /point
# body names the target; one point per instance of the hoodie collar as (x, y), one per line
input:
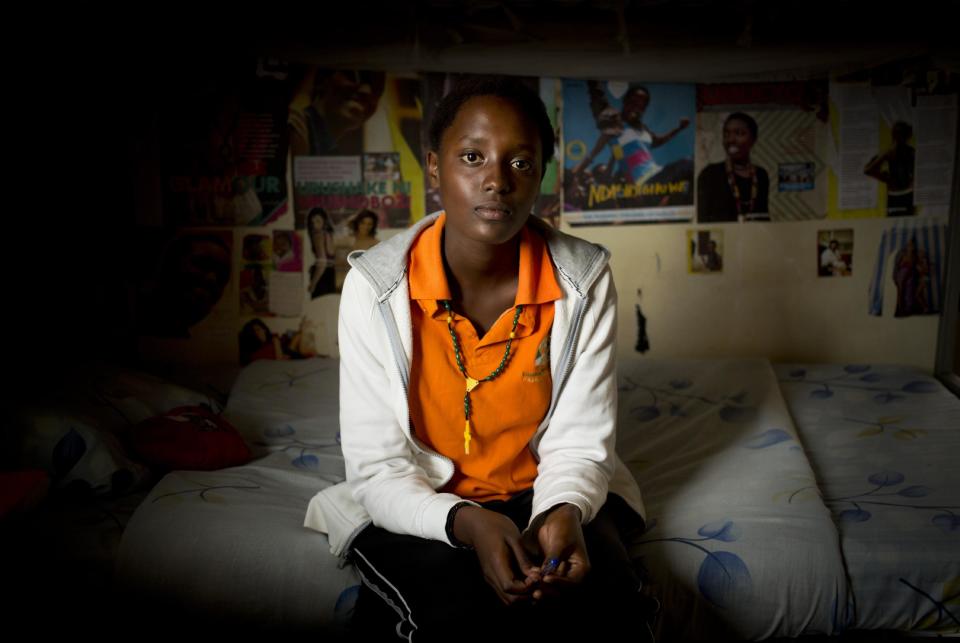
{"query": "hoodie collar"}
(578, 262)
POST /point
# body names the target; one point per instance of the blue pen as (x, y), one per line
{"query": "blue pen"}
(550, 567)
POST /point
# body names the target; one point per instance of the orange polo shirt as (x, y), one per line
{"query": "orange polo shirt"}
(506, 411)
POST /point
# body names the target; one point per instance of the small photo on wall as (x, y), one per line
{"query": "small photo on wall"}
(705, 251)
(795, 177)
(257, 248)
(381, 166)
(835, 252)
(287, 251)
(254, 289)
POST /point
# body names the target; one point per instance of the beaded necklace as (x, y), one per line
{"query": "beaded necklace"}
(471, 382)
(732, 181)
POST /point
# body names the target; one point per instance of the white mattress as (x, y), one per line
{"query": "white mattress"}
(731, 551)
(738, 545)
(885, 444)
(229, 545)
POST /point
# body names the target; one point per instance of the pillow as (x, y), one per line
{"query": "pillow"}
(189, 437)
(74, 451)
(291, 406)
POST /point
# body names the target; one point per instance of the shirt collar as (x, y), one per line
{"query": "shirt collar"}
(536, 283)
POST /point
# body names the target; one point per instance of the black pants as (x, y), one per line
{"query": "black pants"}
(425, 590)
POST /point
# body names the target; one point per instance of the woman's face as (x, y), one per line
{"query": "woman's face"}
(488, 171)
(365, 227)
(260, 332)
(737, 140)
(634, 107)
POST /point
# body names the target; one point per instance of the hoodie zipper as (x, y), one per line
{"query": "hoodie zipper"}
(566, 359)
(398, 358)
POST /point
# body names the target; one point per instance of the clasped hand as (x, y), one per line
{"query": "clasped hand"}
(507, 557)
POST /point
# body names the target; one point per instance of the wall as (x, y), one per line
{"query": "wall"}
(767, 302)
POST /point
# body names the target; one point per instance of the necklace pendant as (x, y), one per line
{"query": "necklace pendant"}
(471, 384)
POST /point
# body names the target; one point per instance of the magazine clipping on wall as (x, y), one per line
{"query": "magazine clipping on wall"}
(895, 144)
(271, 274)
(704, 251)
(223, 145)
(835, 252)
(760, 152)
(254, 278)
(628, 152)
(357, 168)
(277, 338)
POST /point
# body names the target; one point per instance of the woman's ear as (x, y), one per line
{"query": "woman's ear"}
(433, 169)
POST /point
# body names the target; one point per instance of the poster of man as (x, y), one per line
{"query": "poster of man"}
(355, 144)
(628, 152)
(705, 251)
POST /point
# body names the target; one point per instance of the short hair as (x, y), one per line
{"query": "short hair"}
(746, 118)
(509, 88)
(903, 127)
(376, 79)
(633, 89)
(365, 214)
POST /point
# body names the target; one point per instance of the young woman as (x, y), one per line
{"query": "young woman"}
(478, 404)
(322, 274)
(737, 188)
(895, 167)
(364, 227)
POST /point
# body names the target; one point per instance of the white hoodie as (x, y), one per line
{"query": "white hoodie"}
(392, 477)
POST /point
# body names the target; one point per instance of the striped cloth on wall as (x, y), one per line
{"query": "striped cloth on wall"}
(918, 268)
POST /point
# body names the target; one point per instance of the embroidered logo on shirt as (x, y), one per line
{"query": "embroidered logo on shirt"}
(541, 362)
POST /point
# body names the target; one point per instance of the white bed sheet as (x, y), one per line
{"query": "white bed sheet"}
(885, 444)
(230, 545)
(728, 550)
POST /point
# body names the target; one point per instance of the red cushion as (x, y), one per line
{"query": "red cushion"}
(21, 489)
(189, 437)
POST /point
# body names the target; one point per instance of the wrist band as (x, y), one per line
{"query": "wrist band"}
(451, 515)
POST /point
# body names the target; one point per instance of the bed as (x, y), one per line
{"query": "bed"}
(758, 480)
(884, 443)
(716, 455)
